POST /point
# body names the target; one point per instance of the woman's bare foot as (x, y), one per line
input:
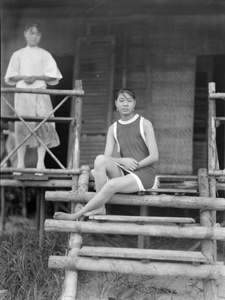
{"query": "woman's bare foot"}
(64, 216)
(98, 211)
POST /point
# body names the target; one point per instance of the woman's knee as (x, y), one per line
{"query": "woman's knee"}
(100, 161)
(112, 185)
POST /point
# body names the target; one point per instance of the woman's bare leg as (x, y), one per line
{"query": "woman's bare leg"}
(41, 151)
(125, 184)
(21, 156)
(104, 169)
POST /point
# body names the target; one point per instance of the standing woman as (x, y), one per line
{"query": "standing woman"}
(33, 67)
(133, 171)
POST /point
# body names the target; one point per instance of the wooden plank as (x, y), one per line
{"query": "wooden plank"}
(173, 191)
(182, 202)
(37, 183)
(138, 267)
(171, 231)
(152, 254)
(144, 219)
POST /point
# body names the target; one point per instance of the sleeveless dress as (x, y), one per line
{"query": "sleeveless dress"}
(131, 142)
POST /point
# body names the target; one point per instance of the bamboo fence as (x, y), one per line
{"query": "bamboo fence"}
(41, 183)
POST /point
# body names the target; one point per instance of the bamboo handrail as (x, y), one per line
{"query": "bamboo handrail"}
(44, 171)
(216, 172)
(75, 92)
(39, 119)
(191, 232)
(215, 96)
(149, 200)
(137, 267)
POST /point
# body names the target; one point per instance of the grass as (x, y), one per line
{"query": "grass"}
(24, 272)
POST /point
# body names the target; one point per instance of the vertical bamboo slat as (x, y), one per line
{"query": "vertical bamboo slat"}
(209, 286)
(212, 150)
(71, 277)
(2, 208)
(69, 289)
(42, 216)
(143, 241)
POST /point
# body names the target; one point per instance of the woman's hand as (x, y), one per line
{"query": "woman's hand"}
(129, 163)
(29, 80)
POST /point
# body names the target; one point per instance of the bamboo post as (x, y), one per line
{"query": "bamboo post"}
(2, 208)
(42, 217)
(37, 214)
(211, 129)
(71, 276)
(143, 242)
(209, 286)
(75, 155)
(212, 150)
(24, 202)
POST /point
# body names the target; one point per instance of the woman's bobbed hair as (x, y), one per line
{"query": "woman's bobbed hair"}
(33, 24)
(126, 90)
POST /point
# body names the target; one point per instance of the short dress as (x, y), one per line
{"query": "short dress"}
(131, 142)
(31, 61)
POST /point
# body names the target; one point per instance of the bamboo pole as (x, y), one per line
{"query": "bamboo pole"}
(192, 232)
(213, 95)
(75, 154)
(217, 172)
(143, 242)
(43, 91)
(209, 286)
(137, 267)
(50, 183)
(213, 163)
(41, 216)
(69, 289)
(143, 254)
(211, 129)
(75, 171)
(71, 276)
(2, 208)
(38, 119)
(149, 200)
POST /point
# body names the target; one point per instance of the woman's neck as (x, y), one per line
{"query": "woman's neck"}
(127, 117)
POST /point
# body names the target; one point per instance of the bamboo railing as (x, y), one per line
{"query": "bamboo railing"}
(64, 177)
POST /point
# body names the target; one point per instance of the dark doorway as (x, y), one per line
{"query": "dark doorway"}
(65, 65)
(208, 69)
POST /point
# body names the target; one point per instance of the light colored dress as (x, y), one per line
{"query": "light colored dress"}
(33, 61)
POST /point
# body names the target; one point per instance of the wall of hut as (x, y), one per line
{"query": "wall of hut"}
(156, 55)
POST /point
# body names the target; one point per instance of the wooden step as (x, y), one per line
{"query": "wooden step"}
(141, 219)
(171, 191)
(143, 254)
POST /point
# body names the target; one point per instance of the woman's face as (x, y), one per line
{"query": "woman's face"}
(32, 36)
(125, 103)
